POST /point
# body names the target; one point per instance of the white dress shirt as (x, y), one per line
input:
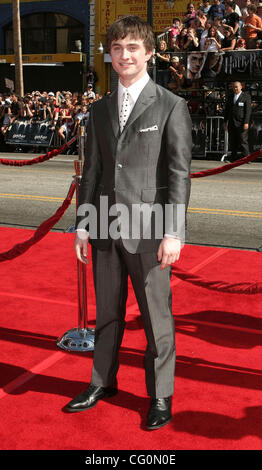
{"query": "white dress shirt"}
(133, 91)
(236, 97)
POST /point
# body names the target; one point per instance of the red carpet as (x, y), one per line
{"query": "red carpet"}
(217, 399)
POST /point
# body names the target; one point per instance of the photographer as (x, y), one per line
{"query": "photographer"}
(28, 111)
(48, 110)
(40, 108)
(192, 42)
(81, 116)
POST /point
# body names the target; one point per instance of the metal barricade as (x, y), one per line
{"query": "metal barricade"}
(216, 137)
(79, 339)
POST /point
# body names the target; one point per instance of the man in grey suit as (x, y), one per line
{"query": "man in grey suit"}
(138, 158)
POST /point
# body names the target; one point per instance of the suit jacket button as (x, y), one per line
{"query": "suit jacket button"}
(119, 165)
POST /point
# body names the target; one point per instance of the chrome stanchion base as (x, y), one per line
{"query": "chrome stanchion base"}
(77, 339)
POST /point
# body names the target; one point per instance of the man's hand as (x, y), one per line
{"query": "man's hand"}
(80, 247)
(168, 251)
(245, 127)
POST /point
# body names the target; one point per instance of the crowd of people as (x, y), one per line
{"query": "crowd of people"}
(206, 29)
(217, 28)
(62, 110)
(212, 28)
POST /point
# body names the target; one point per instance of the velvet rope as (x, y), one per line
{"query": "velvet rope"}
(40, 159)
(41, 231)
(221, 169)
(221, 286)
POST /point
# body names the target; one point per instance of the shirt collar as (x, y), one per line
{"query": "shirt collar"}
(135, 89)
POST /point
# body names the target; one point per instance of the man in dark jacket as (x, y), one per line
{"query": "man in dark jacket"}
(236, 120)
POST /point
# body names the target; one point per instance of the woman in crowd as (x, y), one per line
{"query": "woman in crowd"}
(212, 42)
(66, 116)
(162, 64)
(189, 15)
(204, 34)
(181, 40)
(229, 41)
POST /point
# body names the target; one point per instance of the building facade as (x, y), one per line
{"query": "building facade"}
(60, 38)
(55, 43)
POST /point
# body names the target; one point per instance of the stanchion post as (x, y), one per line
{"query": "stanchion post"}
(225, 154)
(82, 338)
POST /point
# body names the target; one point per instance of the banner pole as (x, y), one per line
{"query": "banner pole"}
(79, 339)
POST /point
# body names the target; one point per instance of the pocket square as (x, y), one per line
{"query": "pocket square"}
(149, 129)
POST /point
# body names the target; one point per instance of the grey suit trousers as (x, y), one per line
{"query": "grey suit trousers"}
(111, 268)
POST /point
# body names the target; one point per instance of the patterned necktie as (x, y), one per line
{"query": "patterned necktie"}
(125, 110)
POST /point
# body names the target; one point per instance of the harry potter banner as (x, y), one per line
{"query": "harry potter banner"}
(221, 66)
(24, 132)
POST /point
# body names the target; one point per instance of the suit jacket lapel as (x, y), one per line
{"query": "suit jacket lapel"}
(145, 99)
(238, 97)
(112, 105)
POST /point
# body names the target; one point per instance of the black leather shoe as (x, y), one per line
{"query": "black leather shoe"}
(90, 397)
(159, 413)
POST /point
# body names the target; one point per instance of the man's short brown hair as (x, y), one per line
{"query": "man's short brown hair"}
(133, 25)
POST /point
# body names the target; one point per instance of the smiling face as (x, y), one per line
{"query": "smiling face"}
(129, 59)
(162, 46)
